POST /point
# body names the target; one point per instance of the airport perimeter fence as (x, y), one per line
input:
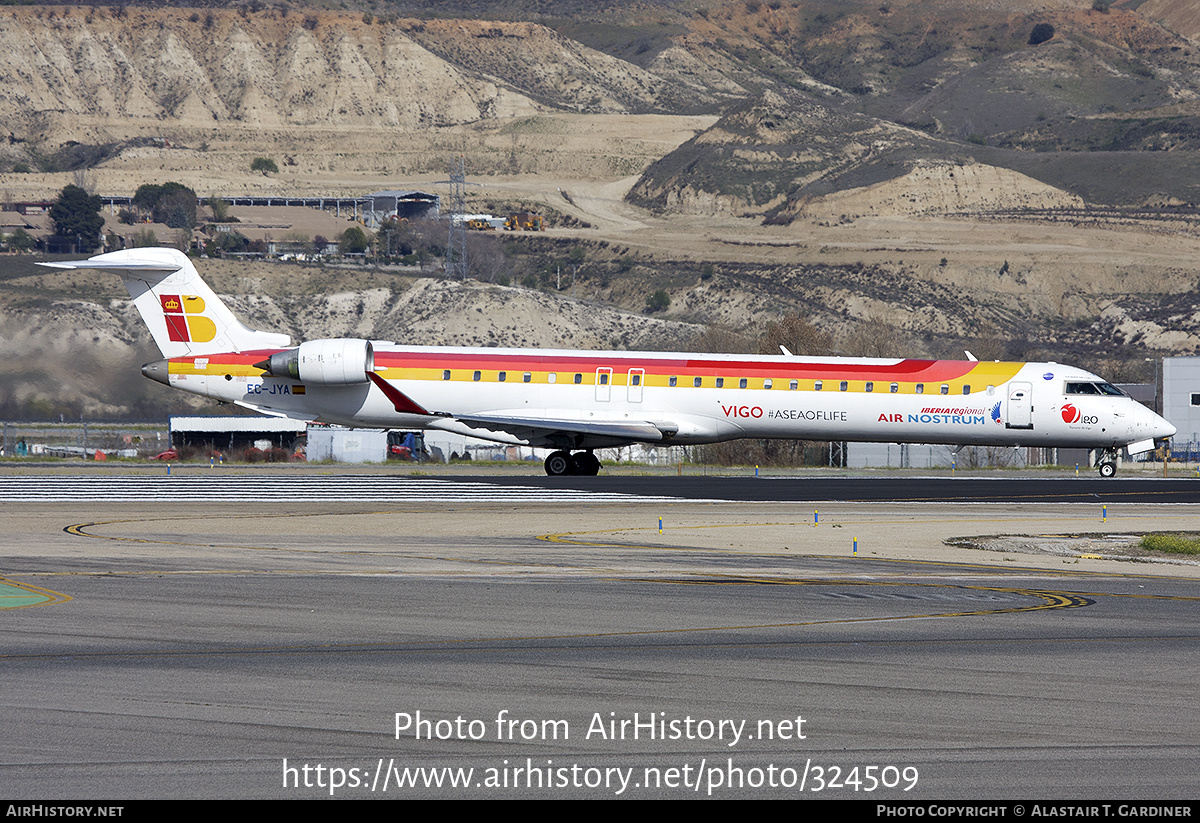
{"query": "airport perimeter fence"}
(83, 439)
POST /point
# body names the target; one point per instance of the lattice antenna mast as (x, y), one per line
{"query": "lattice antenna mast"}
(456, 245)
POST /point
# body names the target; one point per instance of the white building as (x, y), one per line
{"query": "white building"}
(1181, 402)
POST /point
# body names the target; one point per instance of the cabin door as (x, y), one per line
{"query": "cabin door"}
(636, 378)
(1020, 406)
(603, 384)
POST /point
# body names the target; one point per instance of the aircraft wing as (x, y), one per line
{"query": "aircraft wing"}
(534, 428)
(292, 415)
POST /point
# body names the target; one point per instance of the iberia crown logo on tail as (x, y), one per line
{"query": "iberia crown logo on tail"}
(185, 320)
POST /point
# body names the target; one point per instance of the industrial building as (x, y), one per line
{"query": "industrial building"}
(1181, 405)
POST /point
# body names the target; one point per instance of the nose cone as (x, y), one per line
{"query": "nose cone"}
(1151, 425)
(1162, 428)
(158, 371)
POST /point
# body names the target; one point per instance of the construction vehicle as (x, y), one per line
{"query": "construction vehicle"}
(525, 221)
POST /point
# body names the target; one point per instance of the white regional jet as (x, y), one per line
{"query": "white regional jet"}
(579, 401)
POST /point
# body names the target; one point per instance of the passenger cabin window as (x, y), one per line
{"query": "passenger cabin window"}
(945, 388)
(870, 386)
(446, 374)
(552, 377)
(578, 378)
(526, 377)
(845, 385)
(817, 385)
(673, 380)
(920, 388)
(635, 380)
(603, 378)
(502, 376)
(696, 381)
(742, 383)
(767, 383)
(720, 382)
(475, 376)
(795, 384)
(895, 387)
(966, 389)
(991, 390)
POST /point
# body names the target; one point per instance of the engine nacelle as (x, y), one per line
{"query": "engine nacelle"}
(336, 362)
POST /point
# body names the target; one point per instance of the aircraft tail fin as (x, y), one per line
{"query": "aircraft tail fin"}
(183, 314)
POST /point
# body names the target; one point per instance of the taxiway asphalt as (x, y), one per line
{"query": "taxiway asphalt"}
(265, 649)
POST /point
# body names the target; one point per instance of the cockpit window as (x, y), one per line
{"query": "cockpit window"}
(1094, 388)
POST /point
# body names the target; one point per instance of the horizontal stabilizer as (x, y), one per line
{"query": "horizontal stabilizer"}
(113, 265)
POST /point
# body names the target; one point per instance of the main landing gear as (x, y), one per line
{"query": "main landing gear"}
(562, 462)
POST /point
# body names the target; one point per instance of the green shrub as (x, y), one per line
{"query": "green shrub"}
(1171, 543)
(264, 164)
(659, 301)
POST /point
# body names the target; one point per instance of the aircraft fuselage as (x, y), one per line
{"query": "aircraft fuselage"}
(698, 398)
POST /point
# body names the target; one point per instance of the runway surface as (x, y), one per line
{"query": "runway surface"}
(200, 484)
(218, 486)
(534, 649)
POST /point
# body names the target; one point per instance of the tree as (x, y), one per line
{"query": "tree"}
(353, 241)
(144, 239)
(20, 240)
(873, 337)
(76, 215)
(171, 203)
(395, 237)
(797, 334)
(220, 209)
(177, 209)
(264, 164)
(1041, 33)
(659, 301)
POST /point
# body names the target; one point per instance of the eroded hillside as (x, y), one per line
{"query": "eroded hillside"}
(915, 177)
(60, 331)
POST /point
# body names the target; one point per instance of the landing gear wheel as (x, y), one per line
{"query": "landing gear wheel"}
(585, 464)
(558, 464)
(1107, 469)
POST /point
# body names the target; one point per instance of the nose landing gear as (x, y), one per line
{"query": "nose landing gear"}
(579, 463)
(1106, 463)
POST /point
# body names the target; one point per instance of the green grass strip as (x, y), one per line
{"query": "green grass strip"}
(1173, 543)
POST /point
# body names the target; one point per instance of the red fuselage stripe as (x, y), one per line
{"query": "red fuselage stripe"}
(909, 371)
